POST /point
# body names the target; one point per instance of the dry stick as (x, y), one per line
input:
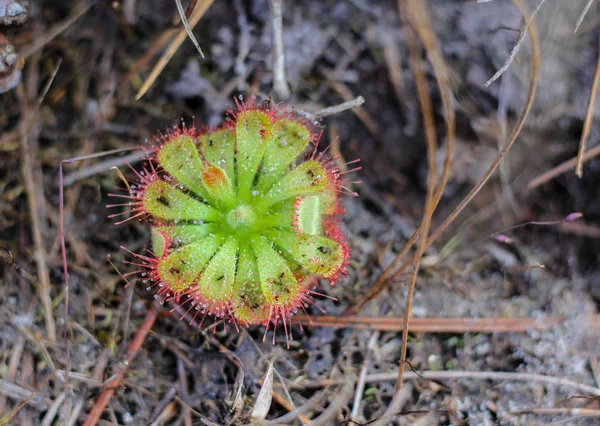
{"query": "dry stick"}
(446, 325)
(588, 412)
(441, 75)
(198, 13)
(32, 202)
(416, 15)
(183, 389)
(112, 385)
(459, 375)
(360, 385)
(562, 168)
(589, 117)
(336, 109)
(280, 85)
(362, 114)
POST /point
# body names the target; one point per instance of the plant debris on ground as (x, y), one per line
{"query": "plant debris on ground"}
(505, 327)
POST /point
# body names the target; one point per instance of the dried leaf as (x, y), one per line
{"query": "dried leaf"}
(263, 401)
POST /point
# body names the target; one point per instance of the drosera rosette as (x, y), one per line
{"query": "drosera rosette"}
(244, 218)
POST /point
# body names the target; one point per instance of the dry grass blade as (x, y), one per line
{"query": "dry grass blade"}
(186, 25)
(158, 43)
(433, 51)
(416, 15)
(198, 13)
(535, 64)
(589, 117)
(583, 13)
(517, 46)
(35, 196)
(562, 168)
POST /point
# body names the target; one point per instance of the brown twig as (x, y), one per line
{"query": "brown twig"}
(444, 325)
(589, 118)
(562, 168)
(416, 15)
(112, 385)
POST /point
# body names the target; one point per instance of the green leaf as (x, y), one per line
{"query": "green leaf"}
(179, 157)
(249, 300)
(253, 132)
(279, 285)
(216, 282)
(289, 139)
(218, 185)
(308, 214)
(181, 268)
(186, 234)
(318, 254)
(158, 241)
(307, 179)
(219, 150)
(165, 202)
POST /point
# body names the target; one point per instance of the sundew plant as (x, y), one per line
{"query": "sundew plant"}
(244, 218)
